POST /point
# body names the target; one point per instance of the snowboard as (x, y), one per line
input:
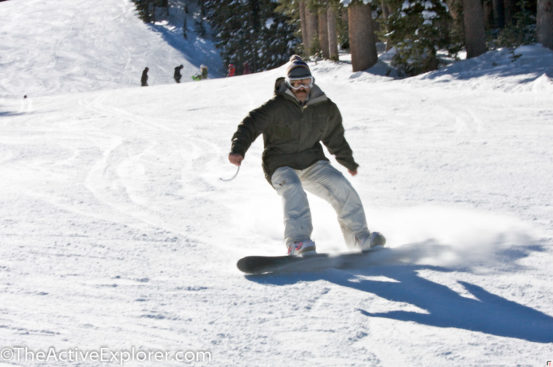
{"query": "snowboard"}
(283, 264)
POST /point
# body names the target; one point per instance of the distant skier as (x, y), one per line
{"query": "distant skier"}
(203, 71)
(26, 105)
(177, 75)
(202, 74)
(231, 70)
(144, 78)
(293, 124)
(245, 68)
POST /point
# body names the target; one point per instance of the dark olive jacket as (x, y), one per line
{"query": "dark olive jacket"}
(292, 133)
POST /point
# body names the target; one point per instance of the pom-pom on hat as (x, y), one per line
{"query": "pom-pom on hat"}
(298, 69)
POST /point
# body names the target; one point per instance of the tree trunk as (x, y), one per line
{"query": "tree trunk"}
(303, 22)
(488, 14)
(362, 41)
(498, 13)
(323, 33)
(509, 6)
(311, 25)
(544, 23)
(332, 34)
(475, 35)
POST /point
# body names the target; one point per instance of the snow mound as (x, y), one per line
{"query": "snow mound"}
(506, 69)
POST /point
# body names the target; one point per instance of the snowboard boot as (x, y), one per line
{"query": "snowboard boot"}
(302, 248)
(370, 240)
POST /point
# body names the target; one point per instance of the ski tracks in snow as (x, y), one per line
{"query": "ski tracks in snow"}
(147, 177)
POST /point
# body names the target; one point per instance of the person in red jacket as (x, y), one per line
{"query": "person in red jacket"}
(231, 70)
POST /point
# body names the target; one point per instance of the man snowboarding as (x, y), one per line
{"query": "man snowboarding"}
(293, 124)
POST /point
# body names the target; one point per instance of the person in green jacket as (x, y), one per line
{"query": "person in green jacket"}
(294, 123)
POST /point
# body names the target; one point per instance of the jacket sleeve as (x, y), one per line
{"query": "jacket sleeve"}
(250, 128)
(335, 140)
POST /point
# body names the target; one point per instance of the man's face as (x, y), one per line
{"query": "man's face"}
(301, 88)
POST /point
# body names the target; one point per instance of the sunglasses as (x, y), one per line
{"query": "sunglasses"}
(296, 84)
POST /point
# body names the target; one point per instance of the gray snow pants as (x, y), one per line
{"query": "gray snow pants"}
(327, 182)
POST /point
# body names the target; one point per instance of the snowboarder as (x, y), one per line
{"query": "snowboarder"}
(231, 70)
(293, 124)
(144, 78)
(177, 75)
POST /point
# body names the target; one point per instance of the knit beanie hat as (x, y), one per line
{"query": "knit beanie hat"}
(298, 68)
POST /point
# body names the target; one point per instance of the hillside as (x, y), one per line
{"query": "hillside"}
(70, 46)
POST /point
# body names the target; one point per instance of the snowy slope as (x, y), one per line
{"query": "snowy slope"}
(116, 231)
(65, 46)
(116, 234)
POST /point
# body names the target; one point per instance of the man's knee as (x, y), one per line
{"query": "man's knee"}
(286, 179)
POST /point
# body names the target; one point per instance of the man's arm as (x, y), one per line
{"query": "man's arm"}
(336, 143)
(248, 130)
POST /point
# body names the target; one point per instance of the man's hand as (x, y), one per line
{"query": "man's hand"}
(235, 158)
(352, 172)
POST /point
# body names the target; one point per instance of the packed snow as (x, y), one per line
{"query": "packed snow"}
(118, 236)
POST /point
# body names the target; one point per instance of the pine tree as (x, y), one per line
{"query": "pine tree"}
(251, 31)
(144, 8)
(417, 29)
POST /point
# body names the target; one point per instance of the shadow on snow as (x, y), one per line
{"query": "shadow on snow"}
(487, 312)
(9, 113)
